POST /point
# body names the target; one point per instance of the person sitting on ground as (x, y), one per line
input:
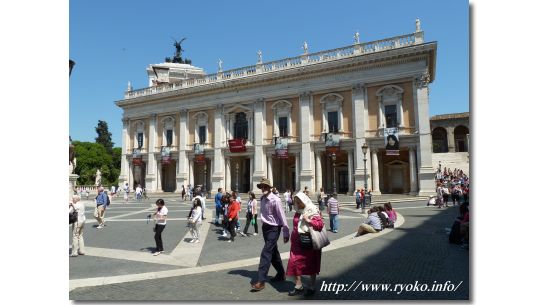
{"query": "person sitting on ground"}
(372, 224)
(431, 201)
(392, 214)
(385, 221)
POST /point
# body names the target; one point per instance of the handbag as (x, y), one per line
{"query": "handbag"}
(73, 216)
(319, 238)
(305, 240)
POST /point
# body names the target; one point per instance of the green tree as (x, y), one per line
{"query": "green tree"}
(90, 157)
(104, 137)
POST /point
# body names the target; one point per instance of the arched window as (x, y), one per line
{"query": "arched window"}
(390, 106)
(168, 131)
(460, 138)
(332, 114)
(241, 126)
(439, 140)
(282, 118)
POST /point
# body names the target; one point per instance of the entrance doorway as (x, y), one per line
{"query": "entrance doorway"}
(284, 173)
(139, 175)
(240, 179)
(168, 177)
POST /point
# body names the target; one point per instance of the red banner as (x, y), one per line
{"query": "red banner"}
(281, 153)
(137, 161)
(332, 149)
(199, 158)
(237, 145)
(166, 160)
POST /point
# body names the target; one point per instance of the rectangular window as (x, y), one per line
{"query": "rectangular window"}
(140, 139)
(283, 126)
(391, 117)
(333, 121)
(169, 136)
(201, 134)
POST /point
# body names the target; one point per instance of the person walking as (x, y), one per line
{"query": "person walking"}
(252, 214)
(304, 261)
(183, 192)
(138, 193)
(78, 226)
(358, 199)
(287, 199)
(100, 206)
(160, 223)
(218, 205)
(273, 222)
(195, 221)
(198, 195)
(322, 198)
(126, 192)
(233, 215)
(334, 209)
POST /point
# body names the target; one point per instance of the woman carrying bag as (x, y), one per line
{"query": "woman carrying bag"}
(252, 214)
(304, 260)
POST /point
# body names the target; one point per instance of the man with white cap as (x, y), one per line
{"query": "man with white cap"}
(273, 221)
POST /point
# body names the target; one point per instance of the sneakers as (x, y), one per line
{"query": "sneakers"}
(73, 255)
(255, 234)
(196, 241)
(99, 227)
(156, 253)
(296, 291)
(242, 234)
(224, 234)
(230, 241)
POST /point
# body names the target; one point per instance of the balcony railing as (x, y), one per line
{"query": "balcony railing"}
(285, 64)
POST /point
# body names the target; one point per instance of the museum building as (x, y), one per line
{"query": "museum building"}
(326, 119)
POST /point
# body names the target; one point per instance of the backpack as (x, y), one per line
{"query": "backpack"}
(107, 200)
(358, 197)
(385, 222)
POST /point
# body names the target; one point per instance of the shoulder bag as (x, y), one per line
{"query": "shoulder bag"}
(73, 216)
(319, 238)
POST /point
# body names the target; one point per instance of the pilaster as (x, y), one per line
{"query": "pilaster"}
(151, 176)
(182, 177)
(306, 173)
(259, 162)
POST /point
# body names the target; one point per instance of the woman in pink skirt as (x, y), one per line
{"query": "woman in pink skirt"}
(304, 261)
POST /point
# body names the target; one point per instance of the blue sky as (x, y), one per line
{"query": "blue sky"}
(112, 42)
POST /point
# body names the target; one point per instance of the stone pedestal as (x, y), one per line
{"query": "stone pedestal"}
(72, 184)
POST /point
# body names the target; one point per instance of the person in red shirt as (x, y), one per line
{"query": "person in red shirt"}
(233, 216)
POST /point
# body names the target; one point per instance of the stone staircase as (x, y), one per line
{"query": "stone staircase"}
(451, 160)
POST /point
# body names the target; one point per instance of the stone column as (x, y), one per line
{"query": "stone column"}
(270, 168)
(191, 172)
(424, 147)
(318, 171)
(124, 172)
(413, 171)
(381, 122)
(228, 177)
(151, 176)
(351, 184)
(360, 124)
(182, 178)
(259, 160)
(400, 111)
(375, 173)
(450, 139)
(306, 173)
(158, 177)
(297, 166)
(217, 164)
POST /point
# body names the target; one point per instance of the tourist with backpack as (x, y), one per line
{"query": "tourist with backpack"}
(78, 226)
(358, 198)
(101, 203)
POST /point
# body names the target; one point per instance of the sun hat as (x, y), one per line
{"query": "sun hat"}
(264, 181)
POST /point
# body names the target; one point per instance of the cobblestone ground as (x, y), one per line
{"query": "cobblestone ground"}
(417, 252)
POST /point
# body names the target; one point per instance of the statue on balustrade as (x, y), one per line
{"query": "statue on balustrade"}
(72, 159)
(98, 178)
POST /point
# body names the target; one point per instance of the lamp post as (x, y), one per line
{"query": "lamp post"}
(333, 157)
(237, 176)
(364, 148)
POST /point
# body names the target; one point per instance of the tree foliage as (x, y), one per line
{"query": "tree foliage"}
(104, 137)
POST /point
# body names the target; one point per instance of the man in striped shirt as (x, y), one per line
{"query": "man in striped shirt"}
(334, 209)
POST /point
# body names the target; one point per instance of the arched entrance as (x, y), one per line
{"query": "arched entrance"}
(439, 140)
(460, 138)
(139, 175)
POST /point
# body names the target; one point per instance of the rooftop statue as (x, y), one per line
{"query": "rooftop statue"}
(177, 55)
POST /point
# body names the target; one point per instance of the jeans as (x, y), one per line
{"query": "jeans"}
(333, 218)
(218, 211)
(270, 255)
(158, 239)
(231, 228)
(249, 219)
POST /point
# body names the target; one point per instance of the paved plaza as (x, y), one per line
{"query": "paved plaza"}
(118, 264)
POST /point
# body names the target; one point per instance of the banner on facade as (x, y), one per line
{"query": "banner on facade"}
(392, 141)
(237, 145)
(165, 155)
(281, 148)
(137, 158)
(332, 143)
(137, 161)
(199, 156)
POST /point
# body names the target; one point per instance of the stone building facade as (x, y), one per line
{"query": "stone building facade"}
(225, 129)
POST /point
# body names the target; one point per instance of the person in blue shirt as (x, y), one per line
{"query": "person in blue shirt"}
(101, 202)
(218, 205)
